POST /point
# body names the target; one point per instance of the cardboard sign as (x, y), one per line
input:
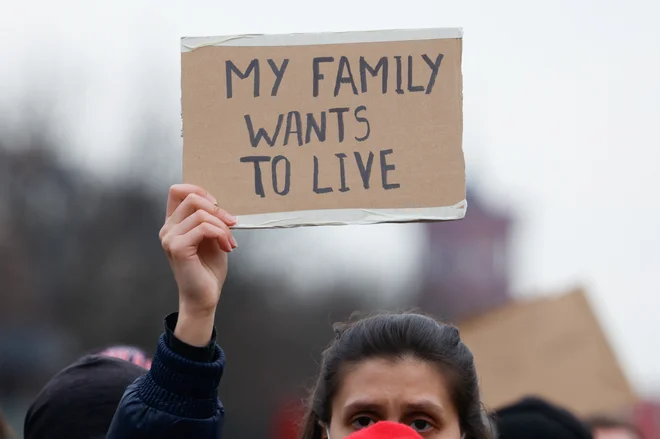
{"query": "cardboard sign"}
(553, 348)
(317, 129)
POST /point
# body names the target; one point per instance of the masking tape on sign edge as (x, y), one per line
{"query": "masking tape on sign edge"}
(339, 217)
(188, 44)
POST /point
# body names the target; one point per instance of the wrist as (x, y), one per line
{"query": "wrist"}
(195, 326)
(197, 311)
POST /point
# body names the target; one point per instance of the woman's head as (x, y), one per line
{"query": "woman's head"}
(405, 368)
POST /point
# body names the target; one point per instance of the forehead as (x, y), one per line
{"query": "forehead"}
(393, 383)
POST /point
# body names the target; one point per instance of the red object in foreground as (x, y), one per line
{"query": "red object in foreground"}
(386, 430)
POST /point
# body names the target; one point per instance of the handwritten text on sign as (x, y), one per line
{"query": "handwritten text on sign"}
(334, 126)
(311, 127)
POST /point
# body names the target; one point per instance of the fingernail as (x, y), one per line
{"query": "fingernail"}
(233, 242)
(231, 218)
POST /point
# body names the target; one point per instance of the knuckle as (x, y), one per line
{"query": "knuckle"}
(175, 249)
(199, 215)
(166, 242)
(214, 230)
(175, 189)
(198, 202)
(191, 198)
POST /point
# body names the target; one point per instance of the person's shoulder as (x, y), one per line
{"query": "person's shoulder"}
(176, 398)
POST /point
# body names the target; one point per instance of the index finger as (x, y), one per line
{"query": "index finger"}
(179, 192)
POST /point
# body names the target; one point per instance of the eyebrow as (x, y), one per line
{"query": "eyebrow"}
(424, 406)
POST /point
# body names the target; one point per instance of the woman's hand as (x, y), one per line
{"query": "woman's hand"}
(196, 238)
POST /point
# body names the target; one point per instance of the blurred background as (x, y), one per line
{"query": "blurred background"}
(561, 103)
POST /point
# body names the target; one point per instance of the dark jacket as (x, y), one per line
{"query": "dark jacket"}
(178, 397)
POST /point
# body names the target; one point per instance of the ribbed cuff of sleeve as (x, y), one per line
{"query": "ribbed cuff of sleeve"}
(183, 387)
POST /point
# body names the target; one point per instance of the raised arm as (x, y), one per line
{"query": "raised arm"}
(178, 397)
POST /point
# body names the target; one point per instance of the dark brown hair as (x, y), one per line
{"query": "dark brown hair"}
(396, 335)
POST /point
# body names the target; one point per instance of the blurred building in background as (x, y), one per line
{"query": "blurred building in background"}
(467, 263)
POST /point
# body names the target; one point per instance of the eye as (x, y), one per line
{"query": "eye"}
(421, 425)
(362, 422)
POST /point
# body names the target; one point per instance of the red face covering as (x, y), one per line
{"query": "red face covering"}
(386, 430)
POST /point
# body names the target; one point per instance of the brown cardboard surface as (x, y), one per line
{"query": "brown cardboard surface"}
(417, 133)
(551, 347)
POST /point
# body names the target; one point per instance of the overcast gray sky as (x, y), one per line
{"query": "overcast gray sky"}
(562, 107)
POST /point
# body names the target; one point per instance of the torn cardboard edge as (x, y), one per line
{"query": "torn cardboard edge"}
(340, 217)
(188, 44)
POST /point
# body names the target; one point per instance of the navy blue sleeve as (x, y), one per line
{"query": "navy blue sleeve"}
(200, 354)
(177, 398)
